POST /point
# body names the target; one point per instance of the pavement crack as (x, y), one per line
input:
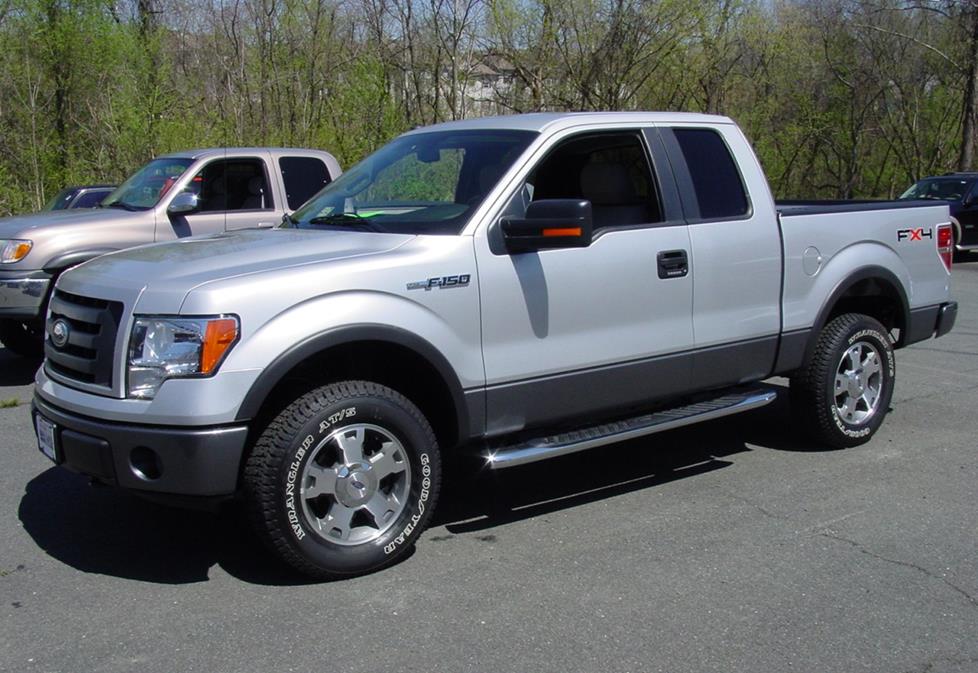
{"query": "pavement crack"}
(759, 508)
(906, 564)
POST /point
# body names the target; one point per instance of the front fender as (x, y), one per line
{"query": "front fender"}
(346, 317)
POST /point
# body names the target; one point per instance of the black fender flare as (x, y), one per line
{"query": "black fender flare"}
(317, 343)
(863, 273)
(62, 262)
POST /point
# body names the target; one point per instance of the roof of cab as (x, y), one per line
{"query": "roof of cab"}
(205, 153)
(550, 121)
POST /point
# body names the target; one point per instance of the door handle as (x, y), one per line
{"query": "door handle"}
(673, 264)
(265, 225)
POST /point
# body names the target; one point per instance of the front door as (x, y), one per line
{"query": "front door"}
(232, 194)
(586, 330)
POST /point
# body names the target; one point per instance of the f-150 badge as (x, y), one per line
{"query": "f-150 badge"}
(918, 234)
(441, 282)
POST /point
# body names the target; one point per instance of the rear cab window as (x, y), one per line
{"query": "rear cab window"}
(708, 177)
(302, 177)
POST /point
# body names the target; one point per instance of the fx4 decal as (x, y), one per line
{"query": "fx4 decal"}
(918, 234)
(441, 282)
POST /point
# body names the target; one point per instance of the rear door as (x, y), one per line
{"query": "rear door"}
(593, 330)
(736, 253)
(302, 177)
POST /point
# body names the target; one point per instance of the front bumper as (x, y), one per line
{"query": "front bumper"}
(155, 459)
(22, 293)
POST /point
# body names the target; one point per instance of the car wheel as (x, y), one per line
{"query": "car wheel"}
(344, 479)
(843, 393)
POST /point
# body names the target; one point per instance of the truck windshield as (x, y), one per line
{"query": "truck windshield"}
(427, 183)
(944, 189)
(150, 183)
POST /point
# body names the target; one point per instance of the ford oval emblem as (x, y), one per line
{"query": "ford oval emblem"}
(59, 333)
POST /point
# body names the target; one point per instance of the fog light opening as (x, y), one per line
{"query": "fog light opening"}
(146, 463)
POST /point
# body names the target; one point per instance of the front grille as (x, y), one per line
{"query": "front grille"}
(92, 324)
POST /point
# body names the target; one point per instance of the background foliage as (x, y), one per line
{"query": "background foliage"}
(841, 98)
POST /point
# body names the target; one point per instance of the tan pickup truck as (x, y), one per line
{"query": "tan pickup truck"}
(173, 196)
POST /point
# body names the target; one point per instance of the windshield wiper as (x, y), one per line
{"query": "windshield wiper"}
(346, 220)
(119, 204)
(335, 218)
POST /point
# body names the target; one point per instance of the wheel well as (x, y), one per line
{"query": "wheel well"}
(397, 367)
(876, 298)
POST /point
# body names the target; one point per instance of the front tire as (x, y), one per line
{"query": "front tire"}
(344, 479)
(843, 393)
(23, 337)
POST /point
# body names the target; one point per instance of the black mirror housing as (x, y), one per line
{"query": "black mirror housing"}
(550, 223)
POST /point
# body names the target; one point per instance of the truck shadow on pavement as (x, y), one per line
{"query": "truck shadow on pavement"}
(16, 370)
(105, 531)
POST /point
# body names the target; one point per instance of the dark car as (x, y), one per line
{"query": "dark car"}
(960, 190)
(86, 196)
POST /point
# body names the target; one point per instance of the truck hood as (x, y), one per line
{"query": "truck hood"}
(162, 274)
(22, 226)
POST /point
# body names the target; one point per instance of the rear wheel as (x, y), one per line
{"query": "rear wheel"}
(23, 337)
(844, 392)
(344, 479)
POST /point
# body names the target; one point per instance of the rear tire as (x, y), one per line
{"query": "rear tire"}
(344, 479)
(843, 393)
(23, 337)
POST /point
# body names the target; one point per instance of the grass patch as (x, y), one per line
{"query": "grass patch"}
(9, 403)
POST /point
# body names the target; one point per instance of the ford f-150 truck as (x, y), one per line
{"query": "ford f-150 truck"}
(177, 195)
(521, 286)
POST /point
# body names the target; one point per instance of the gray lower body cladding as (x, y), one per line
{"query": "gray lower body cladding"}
(154, 459)
(592, 394)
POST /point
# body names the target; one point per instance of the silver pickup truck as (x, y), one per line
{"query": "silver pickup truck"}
(522, 286)
(173, 196)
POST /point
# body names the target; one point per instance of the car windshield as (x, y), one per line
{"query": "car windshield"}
(427, 183)
(144, 190)
(943, 189)
(61, 199)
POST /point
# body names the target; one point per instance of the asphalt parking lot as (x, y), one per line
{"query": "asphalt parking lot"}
(731, 546)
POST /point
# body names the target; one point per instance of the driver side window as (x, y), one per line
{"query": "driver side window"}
(231, 185)
(611, 170)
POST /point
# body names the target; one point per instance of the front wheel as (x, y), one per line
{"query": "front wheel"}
(844, 392)
(23, 337)
(344, 479)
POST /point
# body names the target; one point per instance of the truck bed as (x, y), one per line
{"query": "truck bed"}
(792, 207)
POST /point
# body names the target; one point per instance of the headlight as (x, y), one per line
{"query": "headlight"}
(162, 348)
(14, 250)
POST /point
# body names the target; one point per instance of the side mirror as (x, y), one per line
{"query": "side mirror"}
(183, 203)
(550, 223)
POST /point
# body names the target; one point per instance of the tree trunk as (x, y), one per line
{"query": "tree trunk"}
(966, 157)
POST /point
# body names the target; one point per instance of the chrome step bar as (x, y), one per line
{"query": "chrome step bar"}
(542, 448)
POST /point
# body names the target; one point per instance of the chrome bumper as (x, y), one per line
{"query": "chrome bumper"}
(22, 293)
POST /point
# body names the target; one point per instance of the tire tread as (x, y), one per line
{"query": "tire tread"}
(262, 465)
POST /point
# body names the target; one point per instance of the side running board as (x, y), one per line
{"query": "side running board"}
(542, 448)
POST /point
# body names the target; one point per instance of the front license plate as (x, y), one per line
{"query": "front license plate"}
(45, 437)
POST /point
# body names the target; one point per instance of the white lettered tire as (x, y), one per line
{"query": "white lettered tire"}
(344, 479)
(843, 393)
